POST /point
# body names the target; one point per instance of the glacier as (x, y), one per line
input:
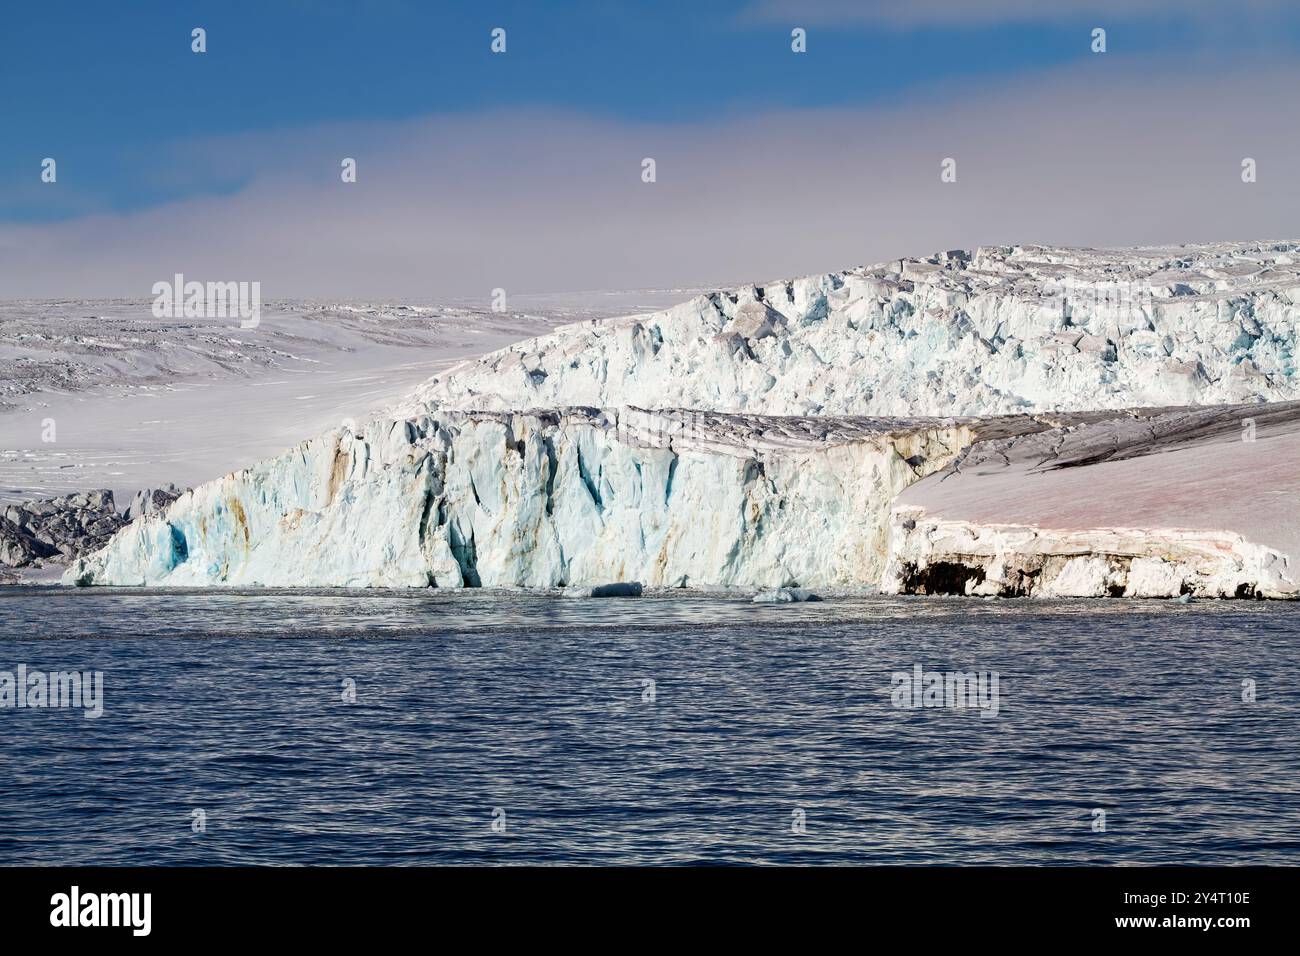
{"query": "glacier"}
(983, 422)
(577, 497)
(996, 331)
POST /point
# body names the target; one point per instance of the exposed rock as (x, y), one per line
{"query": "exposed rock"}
(18, 548)
(57, 529)
(1155, 505)
(149, 501)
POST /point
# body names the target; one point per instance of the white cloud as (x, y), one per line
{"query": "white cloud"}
(1096, 155)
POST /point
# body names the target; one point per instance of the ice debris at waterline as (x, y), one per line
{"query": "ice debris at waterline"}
(619, 589)
(785, 596)
(1031, 469)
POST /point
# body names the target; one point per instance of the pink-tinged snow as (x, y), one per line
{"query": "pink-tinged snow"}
(1207, 479)
(140, 402)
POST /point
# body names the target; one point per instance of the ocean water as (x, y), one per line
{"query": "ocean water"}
(508, 728)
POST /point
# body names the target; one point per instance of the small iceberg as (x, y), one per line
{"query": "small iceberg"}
(784, 596)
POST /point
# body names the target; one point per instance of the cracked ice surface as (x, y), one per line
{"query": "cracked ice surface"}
(1002, 329)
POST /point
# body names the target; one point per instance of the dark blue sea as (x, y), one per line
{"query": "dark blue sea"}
(507, 728)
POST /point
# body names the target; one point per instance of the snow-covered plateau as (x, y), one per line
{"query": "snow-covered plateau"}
(1047, 422)
(140, 402)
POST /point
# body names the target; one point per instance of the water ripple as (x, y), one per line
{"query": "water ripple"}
(480, 703)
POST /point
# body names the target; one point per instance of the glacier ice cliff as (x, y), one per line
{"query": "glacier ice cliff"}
(577, 497)
(1016, 420)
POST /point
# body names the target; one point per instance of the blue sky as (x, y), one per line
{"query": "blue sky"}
(106, 89)
(150, 137)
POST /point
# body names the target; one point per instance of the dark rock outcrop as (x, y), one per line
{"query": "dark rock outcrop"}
(148, 501)
(57, 530)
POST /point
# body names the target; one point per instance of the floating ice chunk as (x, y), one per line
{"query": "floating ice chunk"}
(785, 596)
